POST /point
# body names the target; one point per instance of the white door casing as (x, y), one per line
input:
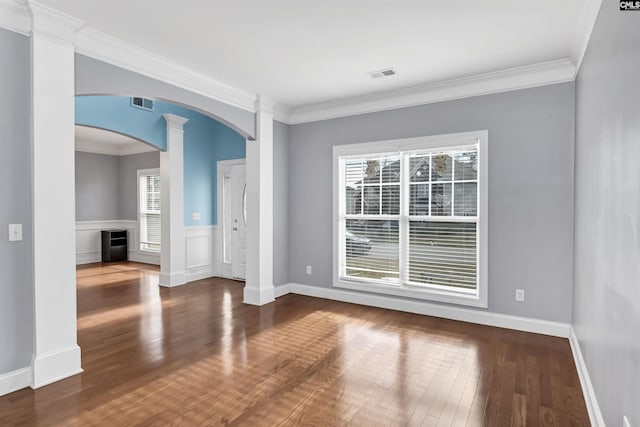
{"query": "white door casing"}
(238, 216)
(226, 217)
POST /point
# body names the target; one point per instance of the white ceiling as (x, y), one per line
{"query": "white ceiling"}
(94, 140)
(305, 52)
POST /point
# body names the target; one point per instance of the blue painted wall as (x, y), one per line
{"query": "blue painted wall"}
(205, 142)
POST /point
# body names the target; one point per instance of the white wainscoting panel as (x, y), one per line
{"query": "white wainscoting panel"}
(201, 245)
(202, 254)
(89, 246)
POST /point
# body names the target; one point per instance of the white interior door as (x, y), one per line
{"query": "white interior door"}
(238, 221)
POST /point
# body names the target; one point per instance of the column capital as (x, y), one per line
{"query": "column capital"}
(174, 122)
(53, 24)
(264, 104)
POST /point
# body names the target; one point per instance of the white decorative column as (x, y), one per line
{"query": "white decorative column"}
(172, 252)
(56, 352)
(259, 288)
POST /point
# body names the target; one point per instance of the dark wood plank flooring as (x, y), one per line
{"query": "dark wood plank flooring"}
(196, 356)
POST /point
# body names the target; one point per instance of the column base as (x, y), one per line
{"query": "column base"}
(169, 280)
(55, 365)
(259, 296)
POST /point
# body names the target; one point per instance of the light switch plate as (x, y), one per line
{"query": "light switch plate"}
(15, 232)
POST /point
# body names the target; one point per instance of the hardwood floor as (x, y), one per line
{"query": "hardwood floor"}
(195, 355)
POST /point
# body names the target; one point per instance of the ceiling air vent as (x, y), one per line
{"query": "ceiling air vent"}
(388, 72)
(145, 104)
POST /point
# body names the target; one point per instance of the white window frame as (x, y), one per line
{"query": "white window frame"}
(141, 173)
(477, 297)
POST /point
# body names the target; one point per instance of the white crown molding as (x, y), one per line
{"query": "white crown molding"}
(53, 24)
(86, 146)
(15, 16)
(25, 17)
(282, 113)
(100, 46)
(137, 149)
(586, 23)
(545, 73)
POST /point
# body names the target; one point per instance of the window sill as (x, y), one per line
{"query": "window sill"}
(427, 294)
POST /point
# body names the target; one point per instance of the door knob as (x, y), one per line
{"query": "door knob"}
(235, 228)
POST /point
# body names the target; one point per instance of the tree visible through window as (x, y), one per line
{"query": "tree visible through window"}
(149, 207)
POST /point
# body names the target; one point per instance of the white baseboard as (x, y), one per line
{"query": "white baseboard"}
(282, 290)
(55, 365)
(89, 246)
(93, 257)
(15, 380)
(145, 258)
(88, 258)
(595, 416)
(545, 327)
(169, 280)
(201, 243)
(556, 329)
(192, 276)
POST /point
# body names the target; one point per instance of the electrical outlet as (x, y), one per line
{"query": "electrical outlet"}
(520, 295)
(15, 232)
(625, 421)
(195, 216)
(308, 269)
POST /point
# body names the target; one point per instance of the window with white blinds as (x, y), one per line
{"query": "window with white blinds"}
(411, 217)
(149, 208)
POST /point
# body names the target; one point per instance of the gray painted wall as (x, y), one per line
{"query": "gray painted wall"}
(607, 213)
(128, 184)
(107, 186)
(280, 203)
(530, 189)
(94, 77)
(16, 258)
(97, 187)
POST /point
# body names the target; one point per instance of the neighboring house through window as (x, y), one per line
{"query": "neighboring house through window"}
(149, 209)
(411, 217)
